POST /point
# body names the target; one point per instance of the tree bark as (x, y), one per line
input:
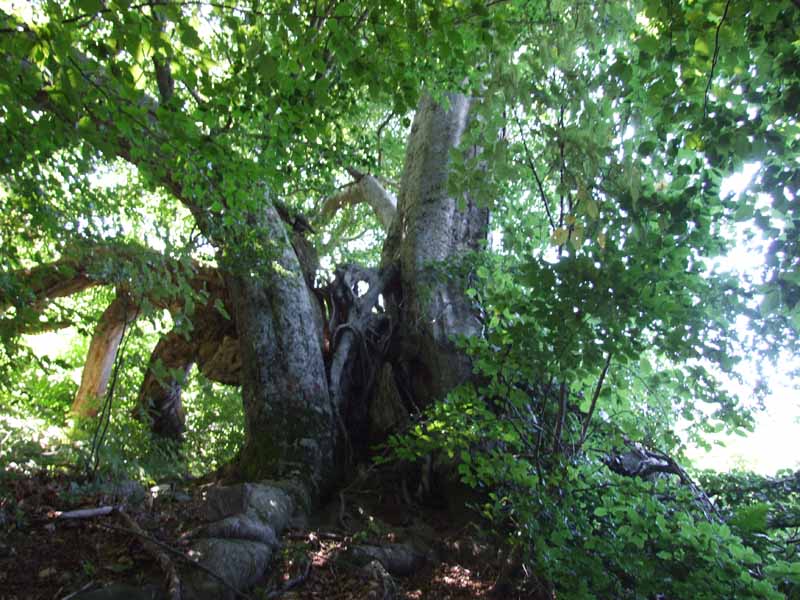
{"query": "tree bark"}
(432, 232)
(160, 396)
(290, 423)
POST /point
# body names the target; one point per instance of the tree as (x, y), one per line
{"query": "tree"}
(595, 135)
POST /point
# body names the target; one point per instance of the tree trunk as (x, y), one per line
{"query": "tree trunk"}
(102, 353)
(160, 393)
(428, 237)
(290, 424)
(290, 415)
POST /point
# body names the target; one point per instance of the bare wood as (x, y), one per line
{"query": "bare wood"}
(101, 355)
(366, 189)
(85, 513)
(83, 589)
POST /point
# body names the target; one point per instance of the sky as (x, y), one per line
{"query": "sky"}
(775, 443)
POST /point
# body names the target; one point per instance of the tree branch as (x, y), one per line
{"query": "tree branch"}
(595, 396)
(714, 59)
(366, 189)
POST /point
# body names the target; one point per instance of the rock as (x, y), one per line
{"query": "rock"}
(126, 492)
(225, 500)
(243, 527)
(239, 562)
(247, 519)
(382, 586)
(398, 559)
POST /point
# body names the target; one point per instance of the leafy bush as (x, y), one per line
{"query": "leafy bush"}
(586, 532)
(547, 415)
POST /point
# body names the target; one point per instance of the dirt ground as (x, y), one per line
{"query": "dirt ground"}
(46, 556)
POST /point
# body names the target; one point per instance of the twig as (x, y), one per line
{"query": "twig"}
(595, 396)
(173, 580)
(320, 535)
(714, 59)
(378, 135)
(532, 166)
(562, 411)
(293, 582)
(83, 589)
(342, 510)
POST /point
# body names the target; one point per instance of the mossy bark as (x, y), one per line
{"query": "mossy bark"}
(290, 422)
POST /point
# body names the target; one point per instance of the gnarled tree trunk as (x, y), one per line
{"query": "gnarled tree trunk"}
(291, 414)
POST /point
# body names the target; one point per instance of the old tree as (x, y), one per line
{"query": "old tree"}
(355, 210)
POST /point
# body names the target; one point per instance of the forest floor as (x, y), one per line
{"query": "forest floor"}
(46, 556)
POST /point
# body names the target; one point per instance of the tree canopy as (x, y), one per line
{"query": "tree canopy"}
(173, 156)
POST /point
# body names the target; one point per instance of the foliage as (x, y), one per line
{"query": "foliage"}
(600, 136)
(37, 432)
(603, 321)
(214, 425)
(586, 532)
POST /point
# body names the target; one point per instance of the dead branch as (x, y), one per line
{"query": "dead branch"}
(85, 513)
(291, 583)
(163, 560)
(366, 189)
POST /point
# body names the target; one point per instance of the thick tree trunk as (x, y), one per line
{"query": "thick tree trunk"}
(102, 353)
(428, 237)
(290, 423)
(291, 419)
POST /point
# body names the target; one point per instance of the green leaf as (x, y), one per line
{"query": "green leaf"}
(751, 518)
(701, 47)
(90, 6)
(645, 366)
(744, 212)
(770, 303)
(646, 148)
(190, 37)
